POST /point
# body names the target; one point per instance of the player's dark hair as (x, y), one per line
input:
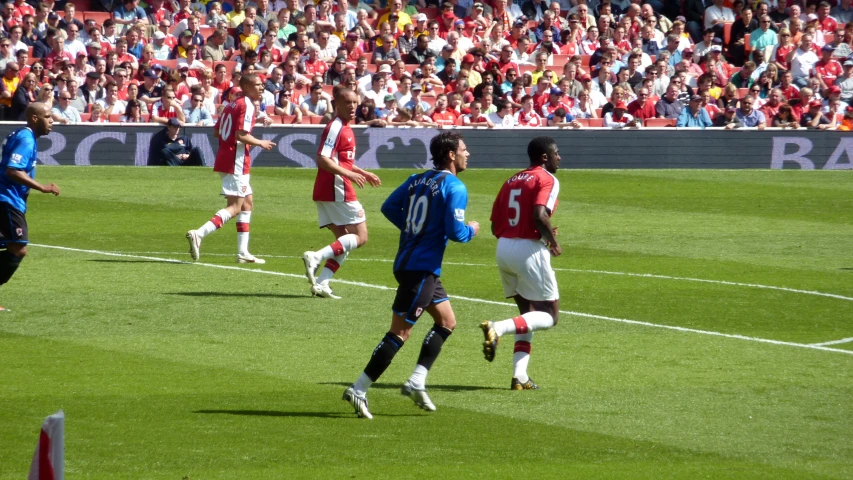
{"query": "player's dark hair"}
(247, 79)
(539, 146)
(440, 147)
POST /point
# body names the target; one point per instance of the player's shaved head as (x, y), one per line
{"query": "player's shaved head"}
(38, 118)
(247, 80)
(346, 102)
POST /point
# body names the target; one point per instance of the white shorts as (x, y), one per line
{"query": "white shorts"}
(340, 213)
(235, 185)
(525, 267)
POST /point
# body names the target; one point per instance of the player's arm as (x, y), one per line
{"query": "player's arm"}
(454, 216)
(246, 138)
(330, 166)
(372, 178)
(394, 207)
(542, 220)
(19, 176)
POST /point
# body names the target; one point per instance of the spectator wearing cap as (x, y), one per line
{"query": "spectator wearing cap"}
(91, 90)
(556, 99)
(694, 115)
(478, 19)
(151, 89)
(814, 119)
(620, 118)
(396, 8)
(419, 53)
(446, 53)
(668, 106)
(161, 50)
(170, 148)
(388, 111)
(728, 118)
(474, 77)
(129, 13)
(519, 29)
(827, 69)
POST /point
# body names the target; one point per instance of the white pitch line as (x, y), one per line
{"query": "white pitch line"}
(576, 270)
(469, 299)
(833, 342)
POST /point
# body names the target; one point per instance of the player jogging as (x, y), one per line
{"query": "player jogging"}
(429, 209)
(337, 206)
(521, 219)
(17, 177)
(234, 129)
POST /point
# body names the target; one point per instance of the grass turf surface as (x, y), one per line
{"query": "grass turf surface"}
(167, 370)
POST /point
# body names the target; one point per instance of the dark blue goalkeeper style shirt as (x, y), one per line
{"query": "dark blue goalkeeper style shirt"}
(20, 153)
(429, 210)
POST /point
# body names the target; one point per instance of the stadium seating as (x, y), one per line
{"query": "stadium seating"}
(659, 122)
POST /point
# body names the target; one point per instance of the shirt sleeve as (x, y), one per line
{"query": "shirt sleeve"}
(20, 150)
(548, 189)
(454, 220)
(394, 207)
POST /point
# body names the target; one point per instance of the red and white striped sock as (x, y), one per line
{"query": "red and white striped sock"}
(214, 224)
(529, 322)
(331, 267)
(344, 244)
(243, 220)
(521, 356)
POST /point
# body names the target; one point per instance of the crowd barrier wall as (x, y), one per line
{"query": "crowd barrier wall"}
(296, 146)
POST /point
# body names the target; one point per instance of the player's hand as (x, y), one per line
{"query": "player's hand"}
(357, 179)
(266, 144)
(555, 249)
(267, 121)
(476, 226)
(373, 179)
(50, 188)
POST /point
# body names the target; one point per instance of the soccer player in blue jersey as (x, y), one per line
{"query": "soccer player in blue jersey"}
(17, 177)
(429, 210)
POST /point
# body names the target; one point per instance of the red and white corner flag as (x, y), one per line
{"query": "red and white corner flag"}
(49, 459)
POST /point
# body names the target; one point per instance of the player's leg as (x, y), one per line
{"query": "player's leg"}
(244, 219)
(523, 341)
(14, 234)
(347, 223)
(235, 188)
(406, 311)
(438, 306)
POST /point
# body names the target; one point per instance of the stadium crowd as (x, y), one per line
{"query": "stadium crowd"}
(530, 63)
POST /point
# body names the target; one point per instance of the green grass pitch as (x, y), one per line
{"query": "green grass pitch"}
(174, 370)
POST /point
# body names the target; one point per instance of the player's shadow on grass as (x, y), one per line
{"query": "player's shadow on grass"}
(113, 260)
(443, 388)
(236, 294)
(276, 413)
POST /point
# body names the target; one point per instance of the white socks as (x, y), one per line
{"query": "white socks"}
(344, 244)
(362, 384)
(243, 220)
(418, 378)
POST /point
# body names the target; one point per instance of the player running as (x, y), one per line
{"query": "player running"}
(521, 219)
(429, 209)
(234, 129)
(337, 206)
(17, 177)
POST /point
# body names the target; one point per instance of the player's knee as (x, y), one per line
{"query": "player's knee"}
(362, 238)
(449, 324)
(19, 251)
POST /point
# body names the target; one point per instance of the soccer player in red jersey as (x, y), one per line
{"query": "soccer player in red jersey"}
(521, 219)
(234, 129)
(337, 206)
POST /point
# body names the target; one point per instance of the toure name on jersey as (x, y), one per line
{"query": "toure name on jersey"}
(524, 177)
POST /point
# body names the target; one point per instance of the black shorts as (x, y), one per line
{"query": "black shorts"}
(416, 292)
(13, 225)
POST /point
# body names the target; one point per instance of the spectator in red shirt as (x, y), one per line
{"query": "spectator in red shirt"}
(827, 69)
(826, 23)
(541, 92)
(518, 30)
(643, 107)
(803, 105)
(774, 101)
(440, 114)
(313, 64)
(786, 85)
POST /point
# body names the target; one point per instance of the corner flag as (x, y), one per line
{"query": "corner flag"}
(49, 458)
